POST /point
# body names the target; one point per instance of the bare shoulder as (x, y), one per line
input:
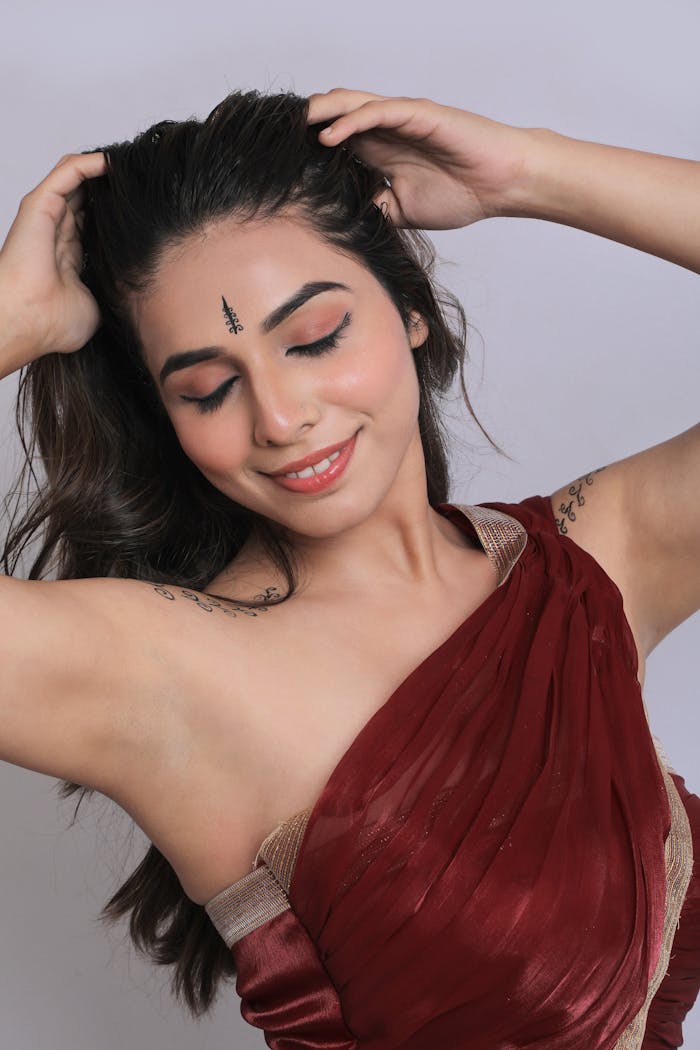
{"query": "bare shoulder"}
(186, 766)
(587, 510)
(90, 661)
(592, 511)
(145, 692)
(640, 519)
(174, 643)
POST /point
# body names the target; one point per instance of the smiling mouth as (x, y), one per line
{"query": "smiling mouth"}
(315, 468)
(316, 477)
(319, 459)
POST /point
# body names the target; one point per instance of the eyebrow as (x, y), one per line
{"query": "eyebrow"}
(186, 358)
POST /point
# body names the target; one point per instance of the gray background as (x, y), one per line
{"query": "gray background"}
(583, 351)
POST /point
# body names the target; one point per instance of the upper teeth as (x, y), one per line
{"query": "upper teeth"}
(316, 468)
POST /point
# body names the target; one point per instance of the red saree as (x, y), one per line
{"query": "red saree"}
(500, 857)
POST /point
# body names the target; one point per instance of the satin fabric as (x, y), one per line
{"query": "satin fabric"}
(485, 866)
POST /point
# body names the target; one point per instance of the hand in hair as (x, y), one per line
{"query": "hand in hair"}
(44, 306)
(446, 167)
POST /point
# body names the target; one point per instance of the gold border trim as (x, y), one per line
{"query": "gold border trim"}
(678, 854)
(503, 537)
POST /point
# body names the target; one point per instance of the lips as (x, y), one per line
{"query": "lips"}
(310, 460)
(314, 484)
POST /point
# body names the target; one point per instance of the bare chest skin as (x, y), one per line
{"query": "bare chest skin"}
(270, 704)
(274, 710)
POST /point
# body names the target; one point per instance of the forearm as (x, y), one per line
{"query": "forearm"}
(645, 200)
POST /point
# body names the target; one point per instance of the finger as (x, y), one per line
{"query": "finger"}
(70, 172)
(76, 198)
(79, 217)
(383, 113)
(69, 228)
(69, 257)
(51, 195)
(76, 205)
(329, 104)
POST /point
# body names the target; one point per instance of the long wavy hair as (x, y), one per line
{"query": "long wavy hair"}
(115, 495)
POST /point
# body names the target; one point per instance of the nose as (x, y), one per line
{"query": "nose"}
(282, 407)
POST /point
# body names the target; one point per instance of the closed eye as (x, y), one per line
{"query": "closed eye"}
(211, 401)
(321, 346)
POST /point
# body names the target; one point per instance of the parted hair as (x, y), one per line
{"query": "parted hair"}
(105, 489)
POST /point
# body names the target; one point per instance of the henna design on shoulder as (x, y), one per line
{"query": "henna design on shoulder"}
(575, 490)
(208, 603)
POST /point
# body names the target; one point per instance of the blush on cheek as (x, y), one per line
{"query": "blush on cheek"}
(379, 376)
(212, 453)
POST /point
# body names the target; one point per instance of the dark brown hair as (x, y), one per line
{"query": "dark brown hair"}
(118, 496)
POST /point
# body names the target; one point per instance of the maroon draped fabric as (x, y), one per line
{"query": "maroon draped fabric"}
(484, 868)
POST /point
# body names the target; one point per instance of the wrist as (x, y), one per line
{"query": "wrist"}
(536, 193)
(14, 351)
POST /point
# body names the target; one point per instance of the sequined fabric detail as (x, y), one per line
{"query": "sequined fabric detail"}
(247, 904)
(502, 537)
(678, 852)
(280, 849)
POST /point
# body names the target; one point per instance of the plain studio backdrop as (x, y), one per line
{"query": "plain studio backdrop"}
(582, 352)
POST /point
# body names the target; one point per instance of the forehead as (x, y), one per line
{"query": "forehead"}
(255, 265)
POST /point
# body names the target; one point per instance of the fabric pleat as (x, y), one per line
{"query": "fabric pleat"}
(285, 989)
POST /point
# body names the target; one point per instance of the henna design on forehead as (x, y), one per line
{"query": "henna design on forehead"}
(232, 323)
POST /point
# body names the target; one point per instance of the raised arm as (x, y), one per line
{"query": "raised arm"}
(446, 168)
(76, 666)
(81, 664)
(644, 200)
(44, 306)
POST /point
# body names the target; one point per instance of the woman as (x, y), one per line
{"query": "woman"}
(391, 752)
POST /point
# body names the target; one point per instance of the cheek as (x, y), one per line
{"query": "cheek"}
(380, 373)
(212, 446)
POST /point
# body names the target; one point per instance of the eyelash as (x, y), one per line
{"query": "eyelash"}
(321, 346)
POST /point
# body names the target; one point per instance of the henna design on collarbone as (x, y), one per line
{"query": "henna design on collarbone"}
(576, 493)
(208, 603)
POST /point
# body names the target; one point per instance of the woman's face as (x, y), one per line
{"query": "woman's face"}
(245, 399)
